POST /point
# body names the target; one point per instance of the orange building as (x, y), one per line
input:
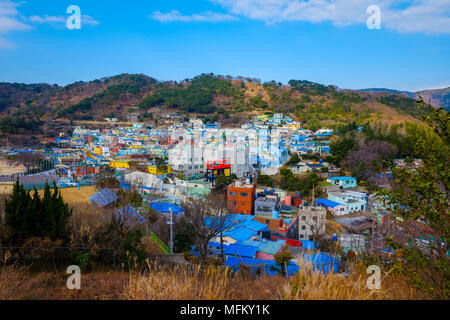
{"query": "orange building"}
(241, 197)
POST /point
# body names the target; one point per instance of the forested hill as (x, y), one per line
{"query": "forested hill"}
(28, 109)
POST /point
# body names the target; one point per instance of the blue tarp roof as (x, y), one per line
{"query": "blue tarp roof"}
(322, 262)
(104, 197)
(328, 203)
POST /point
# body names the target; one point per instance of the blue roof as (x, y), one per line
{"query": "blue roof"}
(322, 262)
(240, 233)
(328, 203)
(314, 165)
(254, 225)
(165, 207)
(240, 250)
(213, 222)
(104, 197)
(239, 218)
(269, 247)
(308, 244)
(342, 178)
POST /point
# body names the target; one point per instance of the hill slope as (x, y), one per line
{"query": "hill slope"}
(435, 97)
(27, 110)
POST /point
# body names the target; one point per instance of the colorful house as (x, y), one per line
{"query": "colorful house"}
(343, 182)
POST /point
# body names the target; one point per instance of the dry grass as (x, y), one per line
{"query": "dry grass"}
(219, 284)
(309, 285)
(195, 283)
(181, 283)
(73, 196)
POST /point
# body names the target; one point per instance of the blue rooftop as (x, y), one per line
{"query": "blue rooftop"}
(104, 197)
(165, 207)
(269, 247)
(328, 203)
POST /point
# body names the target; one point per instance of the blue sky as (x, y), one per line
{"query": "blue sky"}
(317, 40)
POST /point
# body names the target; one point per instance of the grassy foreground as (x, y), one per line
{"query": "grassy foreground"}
(195, 283)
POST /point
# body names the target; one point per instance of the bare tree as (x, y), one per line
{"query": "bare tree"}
(209, 216)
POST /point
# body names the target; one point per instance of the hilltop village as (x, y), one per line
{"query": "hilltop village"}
(280, 193)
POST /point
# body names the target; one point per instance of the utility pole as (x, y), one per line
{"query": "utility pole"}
(170, 223)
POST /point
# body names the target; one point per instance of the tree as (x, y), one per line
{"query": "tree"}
(422, 193)
(184, 236)
(28, 216)
(161, 164)
(365, 163)
(123, 233)
(282, 259)
(223, 181)
(209, 216)
(257, 102)
(294, 159)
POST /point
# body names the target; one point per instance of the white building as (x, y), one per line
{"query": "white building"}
(311, 221)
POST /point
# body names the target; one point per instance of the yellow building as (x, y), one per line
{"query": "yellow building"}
(295, 126)
(154, 170)
(6, 187)
(98, 151)
(119, 164)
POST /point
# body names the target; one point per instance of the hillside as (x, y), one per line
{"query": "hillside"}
(435, 97)
(28, 111)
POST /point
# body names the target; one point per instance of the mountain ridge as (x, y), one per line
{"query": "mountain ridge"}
(29, 109)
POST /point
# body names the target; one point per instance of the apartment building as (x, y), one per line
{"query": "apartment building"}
(311, 221)
(241, 197)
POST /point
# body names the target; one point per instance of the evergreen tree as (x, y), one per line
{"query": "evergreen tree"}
(45, 217)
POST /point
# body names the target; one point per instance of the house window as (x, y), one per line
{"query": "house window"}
(303, 227)
(234, 203)
(301, 236)
(304, 218)
(244, 194)
(232, 194)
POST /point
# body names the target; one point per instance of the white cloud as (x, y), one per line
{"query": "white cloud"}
(9, 22)
(176, 16)
(427, 16)
(9, 18)
(61, 20)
